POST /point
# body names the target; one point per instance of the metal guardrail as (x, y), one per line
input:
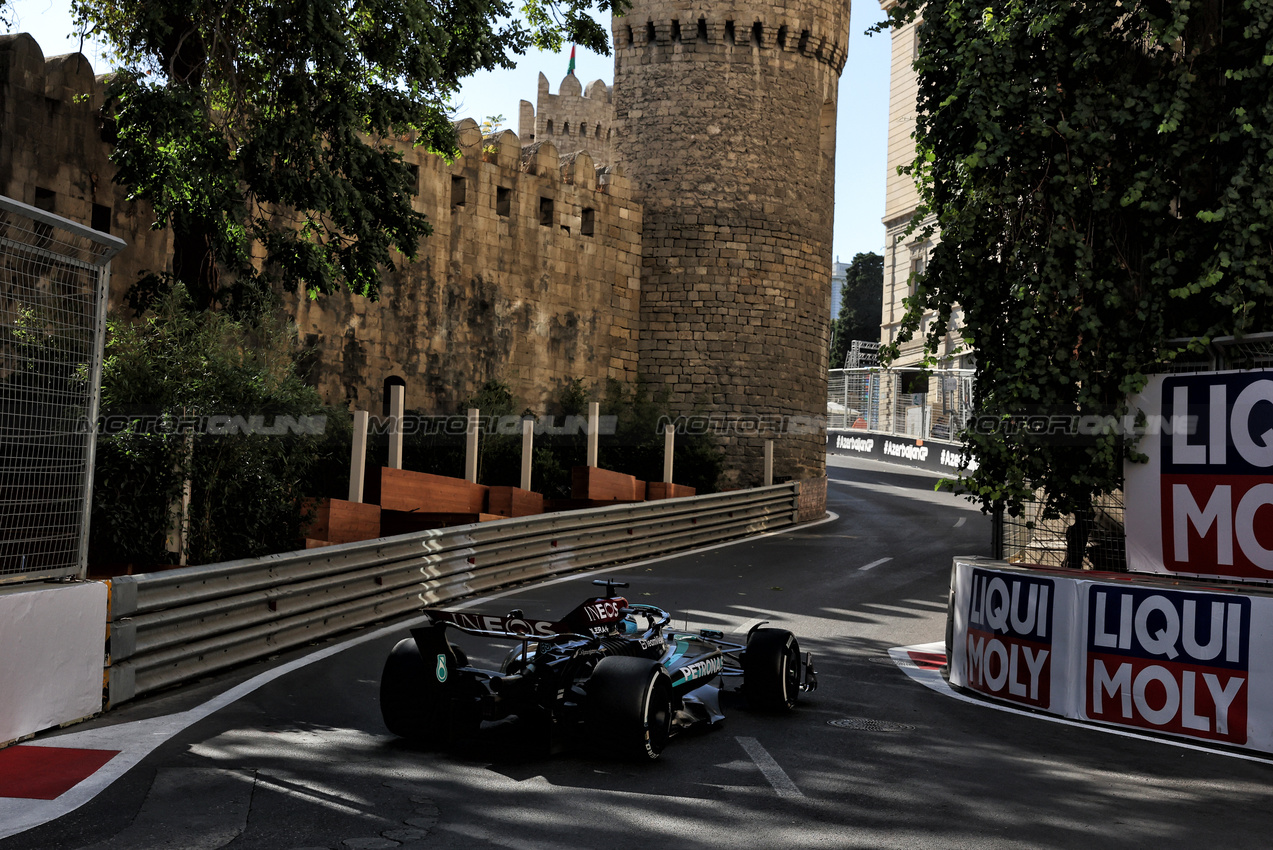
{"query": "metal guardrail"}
(177, 625)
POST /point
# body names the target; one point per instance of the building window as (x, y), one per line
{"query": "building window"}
(548, 128)
(587, 221)
(676, 31)
(101, 218)
(918, 263)
(458, 191)
(503, 201)
(546, 212)
(45, 199)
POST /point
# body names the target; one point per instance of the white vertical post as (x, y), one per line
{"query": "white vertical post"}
(470, 446)
(594, 418)
(769, 462)
(669, 441)
(528, 449)
(397, 402)
(358, 456)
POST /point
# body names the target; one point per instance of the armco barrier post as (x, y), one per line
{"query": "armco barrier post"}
(470, 446)
(528, 450)
(397, 406)
(669, 442)
(358, 456)
(594, 418)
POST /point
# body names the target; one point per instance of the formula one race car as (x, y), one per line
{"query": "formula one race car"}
(610, 673)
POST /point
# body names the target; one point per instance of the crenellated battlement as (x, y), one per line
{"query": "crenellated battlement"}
(574, 119)
(823, 37)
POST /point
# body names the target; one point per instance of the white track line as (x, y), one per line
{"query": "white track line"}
(874, 564)
(777, 777)
(960, 521)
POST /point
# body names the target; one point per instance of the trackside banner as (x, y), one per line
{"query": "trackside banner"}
(1162, 659)
(1203, 503)
(935, 455)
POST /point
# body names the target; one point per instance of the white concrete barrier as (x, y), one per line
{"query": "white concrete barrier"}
(52, 642)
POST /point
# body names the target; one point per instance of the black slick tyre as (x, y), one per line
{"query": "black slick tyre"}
(409, 699)
(771, 670)
(630, 707)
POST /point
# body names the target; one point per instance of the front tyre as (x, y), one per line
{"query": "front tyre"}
(771, 670)
(630, 707)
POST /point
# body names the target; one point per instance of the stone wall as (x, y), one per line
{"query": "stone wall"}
(726, 121)
(53, 155)
(531, 276)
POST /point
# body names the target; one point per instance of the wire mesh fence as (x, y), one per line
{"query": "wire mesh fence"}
(1095, 542)
(53, 279)
(908, 402)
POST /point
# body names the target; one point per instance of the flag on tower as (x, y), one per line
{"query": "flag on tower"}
(571, 70)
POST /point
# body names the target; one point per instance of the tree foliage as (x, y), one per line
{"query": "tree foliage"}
(861, 305)
(263, 132)
(1101, 175)
(165, 380)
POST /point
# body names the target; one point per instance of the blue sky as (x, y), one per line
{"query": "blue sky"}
(861, 132)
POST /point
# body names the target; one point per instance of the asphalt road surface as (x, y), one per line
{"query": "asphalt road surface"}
(871, 759)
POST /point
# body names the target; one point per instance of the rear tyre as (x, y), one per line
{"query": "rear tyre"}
(410, 701)
(630, 707)
(771, 670)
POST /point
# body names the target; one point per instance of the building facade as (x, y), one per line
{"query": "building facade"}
(906, 256)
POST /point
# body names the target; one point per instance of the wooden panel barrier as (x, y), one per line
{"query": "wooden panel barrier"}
(602, 485)
(661, 490)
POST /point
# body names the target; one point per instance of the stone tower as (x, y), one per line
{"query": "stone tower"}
(725, 122)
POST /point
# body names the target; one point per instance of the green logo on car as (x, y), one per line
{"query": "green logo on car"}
(441, 668)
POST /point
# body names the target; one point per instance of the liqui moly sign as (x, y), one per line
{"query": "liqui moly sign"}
(1203, 505)
(1173, 661)
(1008, 645)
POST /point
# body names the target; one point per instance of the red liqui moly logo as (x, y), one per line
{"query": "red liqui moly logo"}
(1169, 660)
(1217, 474)
(1008, 649)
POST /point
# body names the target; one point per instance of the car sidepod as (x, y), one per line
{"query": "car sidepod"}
(695, 667)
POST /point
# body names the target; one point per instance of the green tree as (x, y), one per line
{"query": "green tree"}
(861, 305)
(264, 132)
(1102, 178)
(172, 387)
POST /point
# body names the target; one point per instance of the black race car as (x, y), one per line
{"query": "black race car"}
(610, 673)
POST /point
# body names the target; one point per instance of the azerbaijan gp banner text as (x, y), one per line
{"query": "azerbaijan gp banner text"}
(1202, 504)
(1144, 655)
